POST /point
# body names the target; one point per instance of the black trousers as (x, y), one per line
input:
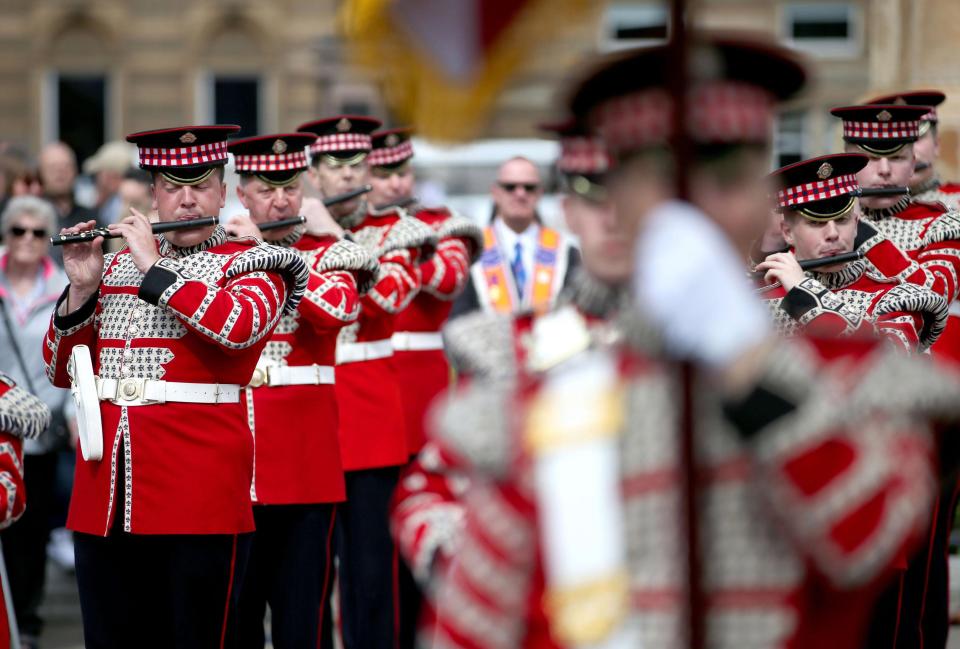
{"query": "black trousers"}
(290, 568)
(153, 591)
(913, 611)
(25, 542)
(368, 561)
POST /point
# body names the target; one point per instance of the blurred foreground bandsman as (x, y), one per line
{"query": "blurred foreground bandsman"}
(418, 358)
(373, 440)
(158, 341)
(810, 488)
(292, 407)
(427, 512)
(820, 217)
(22, 416)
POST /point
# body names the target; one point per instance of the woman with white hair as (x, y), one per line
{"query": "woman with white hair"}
(30, 283)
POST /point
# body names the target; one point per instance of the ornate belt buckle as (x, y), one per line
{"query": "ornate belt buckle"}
(261, 376)
(130, 389)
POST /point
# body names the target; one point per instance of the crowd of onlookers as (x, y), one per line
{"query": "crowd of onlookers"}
(37, 199)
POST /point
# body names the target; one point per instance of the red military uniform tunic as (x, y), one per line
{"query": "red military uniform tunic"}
(929, 232)
(22, 415)
(420, 364)
(852, 299)
(948, 346)
(789, 562)
(200, 315)
(428, 510)
(296, 445)
(372, 432)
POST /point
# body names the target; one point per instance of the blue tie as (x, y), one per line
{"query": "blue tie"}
(519, 273)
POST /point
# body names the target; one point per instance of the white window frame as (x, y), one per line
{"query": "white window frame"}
(616, 14)
(800, 139)
(825, 48)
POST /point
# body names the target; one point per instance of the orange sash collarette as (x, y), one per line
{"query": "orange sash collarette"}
(501, 290)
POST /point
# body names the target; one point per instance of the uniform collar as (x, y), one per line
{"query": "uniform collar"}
(842, 278)
(876, 215)
(291, 238)
(218, 237)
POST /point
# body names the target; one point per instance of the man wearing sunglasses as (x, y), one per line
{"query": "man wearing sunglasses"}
(525, 264)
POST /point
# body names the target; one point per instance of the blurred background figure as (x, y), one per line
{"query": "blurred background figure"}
(525, 264)
(58, 176)
(132, 193)
(30, 283)
(108, 167)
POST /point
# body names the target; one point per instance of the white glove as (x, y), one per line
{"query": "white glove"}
(691, 285)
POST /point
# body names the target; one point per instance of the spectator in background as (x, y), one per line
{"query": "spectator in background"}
(108, 166)
(17, 177)
(134, 193)
(525, 264)
(58, 175)
(30, 284)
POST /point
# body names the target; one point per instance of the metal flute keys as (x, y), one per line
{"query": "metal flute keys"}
(158, 228)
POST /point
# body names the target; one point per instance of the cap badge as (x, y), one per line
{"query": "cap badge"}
(279, 146)
(824, 171)
(344, 125)
(884, 116)
(900, 101)
(188, 138)
(392, 140)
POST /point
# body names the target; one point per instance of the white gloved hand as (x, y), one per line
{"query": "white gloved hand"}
(691, 285)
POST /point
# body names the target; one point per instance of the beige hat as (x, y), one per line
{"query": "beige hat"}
(111, 156)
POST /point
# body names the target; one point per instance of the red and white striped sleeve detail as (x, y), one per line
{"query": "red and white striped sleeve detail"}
(398, 282)
(446, 273)
(847, 469)
(427, 513)
(64, 333)
(13, 494)
(331, 300)
(483, 598)
(942, 261)
(235, 316)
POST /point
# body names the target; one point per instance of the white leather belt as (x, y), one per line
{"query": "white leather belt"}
(417, 341)
(145, 392)
(368, 351)
(276, 375)
(955, 309)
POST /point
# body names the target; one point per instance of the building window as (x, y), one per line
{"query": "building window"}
(826, 30)
(632, 25)
(355, 107)
(81, 117)
(790, 138)
(236, 100)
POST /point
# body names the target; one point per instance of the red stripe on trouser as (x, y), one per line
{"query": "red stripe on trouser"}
(326, 579)
(896, 627)
(396, 598)
(226, 606)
